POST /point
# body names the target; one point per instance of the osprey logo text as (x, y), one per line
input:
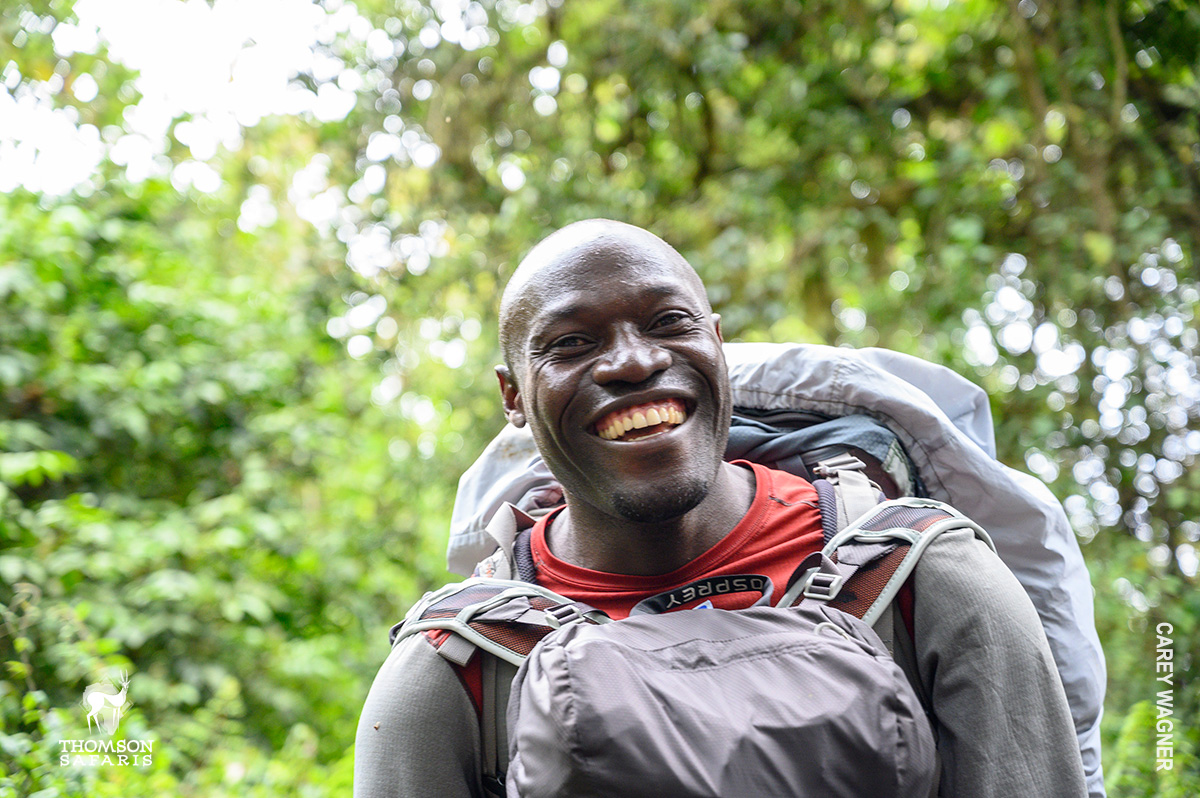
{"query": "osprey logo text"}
(105, 703)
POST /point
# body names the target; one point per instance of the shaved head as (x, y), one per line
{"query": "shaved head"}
(578, 244)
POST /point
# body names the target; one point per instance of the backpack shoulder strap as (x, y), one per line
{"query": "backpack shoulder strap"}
(863, 567)
(504, 619)
(845, 494)
(911, 521)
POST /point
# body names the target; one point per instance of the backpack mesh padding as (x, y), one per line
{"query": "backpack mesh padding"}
(918, 518)
(861, 589)
(519, 638)
(454, 603)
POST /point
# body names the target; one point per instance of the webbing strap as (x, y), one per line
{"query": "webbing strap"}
(489, 728)
(818, 577)
(523, 556)
(856, 496)
(457, 650)
(846, 495)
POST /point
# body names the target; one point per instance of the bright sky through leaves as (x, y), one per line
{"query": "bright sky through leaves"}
(224, 66)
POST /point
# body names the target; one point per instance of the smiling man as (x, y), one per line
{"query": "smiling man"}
(614, 361)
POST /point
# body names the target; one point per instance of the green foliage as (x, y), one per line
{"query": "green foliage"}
(229, 448)
(195, 488)
(170, 493)
(1135, 764)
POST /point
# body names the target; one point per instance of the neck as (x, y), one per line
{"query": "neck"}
(586, 537)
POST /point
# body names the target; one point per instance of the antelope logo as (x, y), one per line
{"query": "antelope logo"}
(105, 703)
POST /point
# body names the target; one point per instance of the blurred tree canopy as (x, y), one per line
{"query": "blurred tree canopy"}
(238, 382)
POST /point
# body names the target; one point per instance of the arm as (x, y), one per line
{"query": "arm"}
(418, 734)
(1003, 724)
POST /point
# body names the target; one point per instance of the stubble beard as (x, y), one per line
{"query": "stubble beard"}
(661, 506)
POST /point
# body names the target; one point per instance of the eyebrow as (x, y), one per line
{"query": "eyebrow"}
(555, 314)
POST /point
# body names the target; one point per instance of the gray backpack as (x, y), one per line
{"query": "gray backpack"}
(797, 699)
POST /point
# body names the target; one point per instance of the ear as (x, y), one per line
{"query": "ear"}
(514, 409)
(716, 319)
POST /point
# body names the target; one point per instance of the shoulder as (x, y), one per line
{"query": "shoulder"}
(980, 646)
(418, 729)
(413, 675)
(960, 578)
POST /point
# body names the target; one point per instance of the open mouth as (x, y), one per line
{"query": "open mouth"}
(642, 421)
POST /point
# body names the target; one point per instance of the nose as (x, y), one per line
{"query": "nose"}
(632, 358)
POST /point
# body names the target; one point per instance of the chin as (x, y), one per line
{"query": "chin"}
(660, 505)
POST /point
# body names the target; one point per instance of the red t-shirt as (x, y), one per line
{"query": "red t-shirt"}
(751, 564)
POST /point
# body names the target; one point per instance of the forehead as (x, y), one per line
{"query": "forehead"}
(607, 279)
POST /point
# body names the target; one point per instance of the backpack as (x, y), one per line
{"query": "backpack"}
(638, 709)
(938, 419)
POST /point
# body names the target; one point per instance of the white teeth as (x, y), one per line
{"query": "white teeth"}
(640, 419)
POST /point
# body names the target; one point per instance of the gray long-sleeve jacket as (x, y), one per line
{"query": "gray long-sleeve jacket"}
(945, 426)
(981, 659)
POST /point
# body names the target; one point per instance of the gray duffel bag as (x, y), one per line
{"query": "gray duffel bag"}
(728, 704)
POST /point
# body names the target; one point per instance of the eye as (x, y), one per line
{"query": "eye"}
(568, 343)
(671, 318)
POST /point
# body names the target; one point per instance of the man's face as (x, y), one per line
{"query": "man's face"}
(622, 380)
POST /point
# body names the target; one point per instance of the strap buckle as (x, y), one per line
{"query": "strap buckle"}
(828, 469)
(823, 586)
(561, 615)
